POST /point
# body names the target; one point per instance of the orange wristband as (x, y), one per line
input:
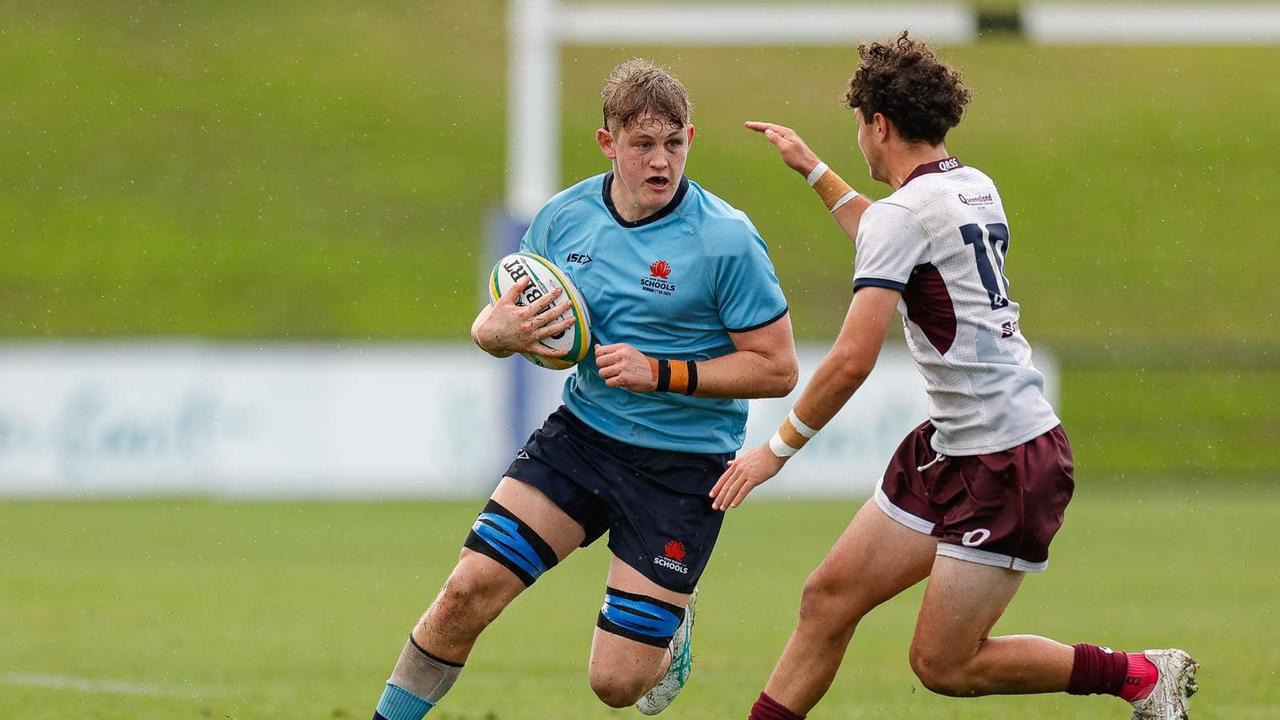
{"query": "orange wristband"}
(677, 376)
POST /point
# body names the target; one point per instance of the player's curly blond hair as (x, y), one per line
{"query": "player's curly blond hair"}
(904, 81)
(638, 88)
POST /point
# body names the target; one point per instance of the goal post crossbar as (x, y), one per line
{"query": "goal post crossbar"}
(538, 28)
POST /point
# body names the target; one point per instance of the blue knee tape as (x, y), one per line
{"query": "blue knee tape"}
(504, 537)
(640, 618)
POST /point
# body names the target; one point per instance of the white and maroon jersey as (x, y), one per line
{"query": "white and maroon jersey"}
(941, 240)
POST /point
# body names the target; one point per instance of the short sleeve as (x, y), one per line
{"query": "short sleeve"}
(890, 243)
(748, 293)
(535, 237)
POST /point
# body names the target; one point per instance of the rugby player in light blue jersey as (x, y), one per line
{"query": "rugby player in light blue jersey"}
(689, 320)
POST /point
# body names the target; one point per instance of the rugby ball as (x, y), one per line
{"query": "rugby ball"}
(576, 340)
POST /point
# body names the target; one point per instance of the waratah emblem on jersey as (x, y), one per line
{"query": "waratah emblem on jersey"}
(657, 282)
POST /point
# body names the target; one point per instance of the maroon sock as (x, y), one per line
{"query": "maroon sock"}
(1098, 671)
(766, 708)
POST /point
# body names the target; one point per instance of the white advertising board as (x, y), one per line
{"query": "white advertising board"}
(230, 420)
(147, 418)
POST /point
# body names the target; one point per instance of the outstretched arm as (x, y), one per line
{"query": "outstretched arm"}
(841, 372)
(829, 186)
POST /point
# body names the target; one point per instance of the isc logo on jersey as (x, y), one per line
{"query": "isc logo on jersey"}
(545, 278)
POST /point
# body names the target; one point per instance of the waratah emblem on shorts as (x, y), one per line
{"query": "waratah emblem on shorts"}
(674, 550)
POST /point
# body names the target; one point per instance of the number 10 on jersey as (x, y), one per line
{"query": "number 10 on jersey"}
(996, 237)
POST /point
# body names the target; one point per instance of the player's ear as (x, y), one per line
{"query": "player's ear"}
(688, 135)
(604, 139)
(882, 127)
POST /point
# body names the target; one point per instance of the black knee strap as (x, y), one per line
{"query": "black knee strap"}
(499, 534)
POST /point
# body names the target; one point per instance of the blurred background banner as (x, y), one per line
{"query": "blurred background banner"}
(423, 420)
(182, 419)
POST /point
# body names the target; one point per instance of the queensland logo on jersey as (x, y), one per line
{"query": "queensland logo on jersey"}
(979, 200)
(672, 557)
(657, 282)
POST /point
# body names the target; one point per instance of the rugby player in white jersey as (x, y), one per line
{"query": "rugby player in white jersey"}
(972, 497)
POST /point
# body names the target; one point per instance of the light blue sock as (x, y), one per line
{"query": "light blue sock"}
(397, 703)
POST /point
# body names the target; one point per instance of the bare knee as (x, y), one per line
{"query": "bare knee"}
(467, 603)
(939, 673)
(615, 689)
(831, 602)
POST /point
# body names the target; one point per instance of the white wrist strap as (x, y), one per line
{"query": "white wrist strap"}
(781, 448)
(844, 200)
(800, 427)
(816, 173)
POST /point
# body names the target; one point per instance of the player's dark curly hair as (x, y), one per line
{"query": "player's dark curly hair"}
(904, 81)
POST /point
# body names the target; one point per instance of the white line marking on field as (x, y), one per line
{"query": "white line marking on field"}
(93, 685)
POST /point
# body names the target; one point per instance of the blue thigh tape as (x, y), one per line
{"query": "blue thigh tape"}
(506, 538)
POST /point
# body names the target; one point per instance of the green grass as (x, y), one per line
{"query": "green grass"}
(312, 170)
(1210, 422)
(283, 610)
(242, 169)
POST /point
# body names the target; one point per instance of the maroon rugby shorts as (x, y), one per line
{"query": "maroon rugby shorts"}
(1001, 509)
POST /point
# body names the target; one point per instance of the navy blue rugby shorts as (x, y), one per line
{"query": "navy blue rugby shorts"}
(653, 503)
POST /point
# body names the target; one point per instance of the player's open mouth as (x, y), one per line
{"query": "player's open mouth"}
(657, 183)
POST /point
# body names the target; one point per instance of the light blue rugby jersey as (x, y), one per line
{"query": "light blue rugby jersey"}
(672, 285)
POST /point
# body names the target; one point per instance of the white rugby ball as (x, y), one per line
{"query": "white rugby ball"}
(576, 340)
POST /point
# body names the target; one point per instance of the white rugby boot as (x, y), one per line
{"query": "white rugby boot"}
(665, 692)
(1171, 696)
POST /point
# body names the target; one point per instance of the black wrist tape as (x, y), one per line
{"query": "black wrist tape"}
(664, 375)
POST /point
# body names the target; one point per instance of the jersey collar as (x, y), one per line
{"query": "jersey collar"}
(937, 166)
(665, 211)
